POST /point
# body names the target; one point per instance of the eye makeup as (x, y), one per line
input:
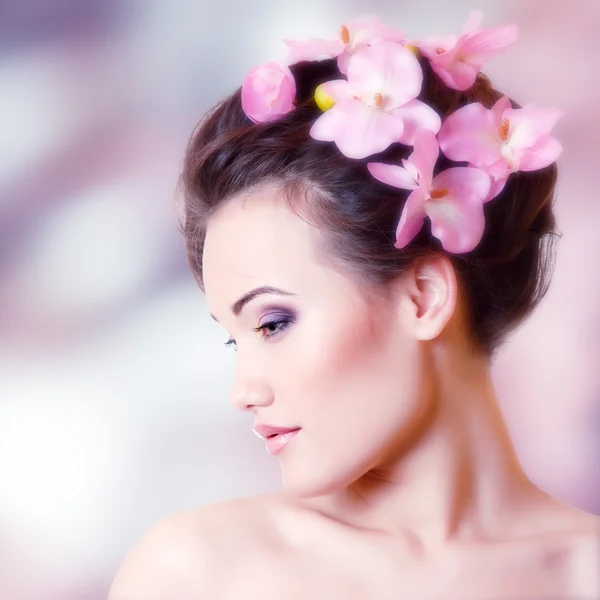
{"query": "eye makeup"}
(275, 324)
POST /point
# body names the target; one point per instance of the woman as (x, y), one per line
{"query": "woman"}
(369, 228)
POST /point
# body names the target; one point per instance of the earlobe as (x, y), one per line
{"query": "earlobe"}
(434, 296)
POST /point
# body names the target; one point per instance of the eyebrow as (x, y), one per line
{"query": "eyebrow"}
(236, 307)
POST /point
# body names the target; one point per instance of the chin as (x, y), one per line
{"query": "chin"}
(306, 480)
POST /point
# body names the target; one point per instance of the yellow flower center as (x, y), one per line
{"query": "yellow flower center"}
(378, 100)
(439, 193)
(504, 130)
(324, 102)
(345, 34)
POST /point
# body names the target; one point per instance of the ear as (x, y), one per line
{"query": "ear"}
(432, 297)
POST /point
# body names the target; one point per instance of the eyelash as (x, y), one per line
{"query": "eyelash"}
(283, 324)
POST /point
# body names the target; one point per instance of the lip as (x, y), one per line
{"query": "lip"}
(264, 431)
(277, 443)
(276, 438)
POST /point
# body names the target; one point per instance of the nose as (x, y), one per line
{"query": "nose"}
(248, 392)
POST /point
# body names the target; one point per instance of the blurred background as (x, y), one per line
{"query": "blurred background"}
(114, 381)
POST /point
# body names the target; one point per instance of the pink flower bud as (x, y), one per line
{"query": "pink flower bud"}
(268, 92)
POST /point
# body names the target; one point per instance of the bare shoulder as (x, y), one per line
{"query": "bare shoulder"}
(581, 544)
(191, 554)
(580, 525)
(584, 558)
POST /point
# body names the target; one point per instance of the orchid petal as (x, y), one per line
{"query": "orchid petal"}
(343, 60)
(357, 130)
(543, 153)
(338, 89)
(499, 108)
(470, 134)
(424, 157)
(455, 73)
(393, 175)
(528, 124)
(414, 172)
(457, 218)
(416, 116)
(462, 181)
(388, 69)
(495, 189)
(411, 220)
(366, 31)
(370, 29)
(430, 45)
(457, 221)
(361, 28)
(461, 59)
(499, 170)
(312, 49)
(477, 49)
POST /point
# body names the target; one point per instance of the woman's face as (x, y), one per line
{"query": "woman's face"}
(326, 358)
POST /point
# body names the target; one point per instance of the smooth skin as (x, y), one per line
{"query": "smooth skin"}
(403, 481)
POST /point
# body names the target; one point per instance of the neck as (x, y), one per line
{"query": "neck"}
(460, 481)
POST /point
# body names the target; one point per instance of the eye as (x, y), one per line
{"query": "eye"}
(274, 328)
(230, 342)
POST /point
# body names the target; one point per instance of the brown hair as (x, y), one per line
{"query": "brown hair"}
(504, 277)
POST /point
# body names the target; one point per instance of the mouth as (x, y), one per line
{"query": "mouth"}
(265, 432)
(276, 443)
(282, 434)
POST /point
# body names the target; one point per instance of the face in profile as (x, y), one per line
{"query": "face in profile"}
(324, 357)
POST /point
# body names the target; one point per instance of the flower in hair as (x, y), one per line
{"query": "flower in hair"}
(268, 92)
(501, 140)
(457, 61)
(377, 105)
(354, 35)
(453, 199)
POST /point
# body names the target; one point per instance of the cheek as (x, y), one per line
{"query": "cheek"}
(355, 393)
(352, 369)
(335, 351)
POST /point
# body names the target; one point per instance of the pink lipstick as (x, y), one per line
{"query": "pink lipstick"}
(276, 438)
(275, 444)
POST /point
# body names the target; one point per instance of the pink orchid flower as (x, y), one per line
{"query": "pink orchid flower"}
(376, 106)
(453, 199)
(354, 35)
(268, 92)
(457, 61)
(501, 140)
